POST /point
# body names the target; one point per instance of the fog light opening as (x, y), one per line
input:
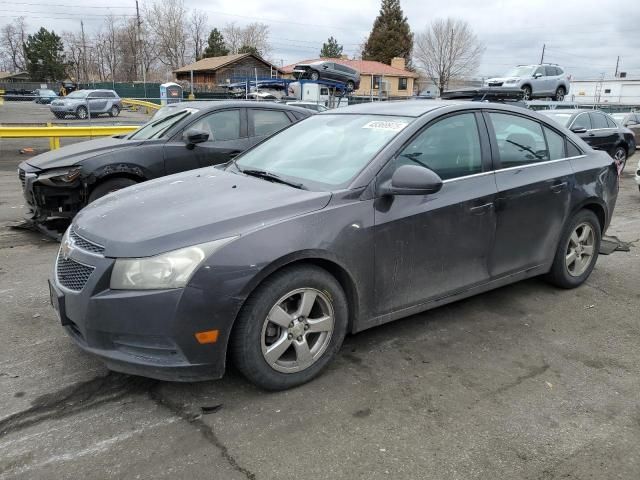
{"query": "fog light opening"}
(208, 336)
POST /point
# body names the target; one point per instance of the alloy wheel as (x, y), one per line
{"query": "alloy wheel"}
(297, 330)
(580, 250)
(526, 93)
(560, 94)
(620, 156)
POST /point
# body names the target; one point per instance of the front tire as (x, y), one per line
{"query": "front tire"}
(290, 328)
(109, 186)
(526, 92)
(82, 113)
(314, 75)
(351, 86)
(577, 251)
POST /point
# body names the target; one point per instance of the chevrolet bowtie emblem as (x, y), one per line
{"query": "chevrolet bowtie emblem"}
(65, 249)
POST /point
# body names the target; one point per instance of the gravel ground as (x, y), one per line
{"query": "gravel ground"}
(524, 382)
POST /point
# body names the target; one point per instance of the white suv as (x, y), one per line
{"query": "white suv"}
(544, 80)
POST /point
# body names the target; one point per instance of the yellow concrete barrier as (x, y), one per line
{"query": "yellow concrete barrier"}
(141, 103)
(54, 133)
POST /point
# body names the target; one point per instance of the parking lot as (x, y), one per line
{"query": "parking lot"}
(524, 382)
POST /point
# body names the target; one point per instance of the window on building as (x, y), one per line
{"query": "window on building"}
(402, 83)
(375, 82)
(607, 90)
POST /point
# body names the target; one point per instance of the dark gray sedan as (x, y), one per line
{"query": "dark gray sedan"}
(58, 183)
(348, 220)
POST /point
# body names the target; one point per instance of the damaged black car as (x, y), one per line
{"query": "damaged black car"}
(59, 183)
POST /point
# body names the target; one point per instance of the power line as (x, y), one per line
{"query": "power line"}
(61, 5)
(22, 13)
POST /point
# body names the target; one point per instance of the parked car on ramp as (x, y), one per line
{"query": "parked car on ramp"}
(84, 103)
(542, 80)
(60, 182)
(350, 219)
(328, 70)
(598, 130)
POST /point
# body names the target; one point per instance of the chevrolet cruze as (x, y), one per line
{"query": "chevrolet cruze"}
(344, 221)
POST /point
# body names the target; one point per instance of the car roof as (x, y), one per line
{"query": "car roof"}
(571, 111)
(206, 105)
(405, 108)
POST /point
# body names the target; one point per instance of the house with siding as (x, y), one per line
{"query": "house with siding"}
(376, 78)
(215, 71)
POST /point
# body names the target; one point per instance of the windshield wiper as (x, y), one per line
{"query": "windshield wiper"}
(271, 176)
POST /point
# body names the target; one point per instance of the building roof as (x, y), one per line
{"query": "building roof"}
(13, 74)
(365, 67)
(214, 63)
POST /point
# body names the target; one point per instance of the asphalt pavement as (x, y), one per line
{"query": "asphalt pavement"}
(524, 382)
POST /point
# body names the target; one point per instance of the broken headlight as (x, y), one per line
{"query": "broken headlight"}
(62, 176)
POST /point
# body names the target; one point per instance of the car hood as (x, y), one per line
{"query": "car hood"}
(503, 79)
(75, 153)
(189, 208)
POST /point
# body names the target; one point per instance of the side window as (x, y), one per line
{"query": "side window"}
(560, 71)
(520, 140)
(611, 123)
(551, 71)
(266, 122)
(450, 147)
(572, 150)
(555, 142)
(220, 126)
(598, 120)
(539, 70)
(92, 95)
(582, 121)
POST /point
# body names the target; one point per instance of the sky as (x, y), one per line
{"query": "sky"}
(584, 36)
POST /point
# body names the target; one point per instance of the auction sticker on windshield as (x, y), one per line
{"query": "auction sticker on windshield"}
(385, 125)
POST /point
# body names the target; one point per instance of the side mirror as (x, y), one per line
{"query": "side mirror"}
(412, 180)
(537, 75)
(193, 136)
(579, 130)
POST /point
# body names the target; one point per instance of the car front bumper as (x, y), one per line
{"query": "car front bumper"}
(145, 332)
(62, 108)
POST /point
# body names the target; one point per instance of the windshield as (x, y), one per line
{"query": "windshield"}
(325, 151)
(78, 94)
(520, 72)
(47, 92)
(158, 127)
(561, 118)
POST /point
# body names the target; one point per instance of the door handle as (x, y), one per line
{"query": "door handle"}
(481, 209)
(558, 187)
(592, 134)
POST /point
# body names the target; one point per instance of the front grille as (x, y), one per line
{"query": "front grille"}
(21, 175)
(71, 274)
(84, 244)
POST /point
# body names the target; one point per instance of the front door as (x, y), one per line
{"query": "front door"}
(534, 181)
(427, 247)
(227, 138)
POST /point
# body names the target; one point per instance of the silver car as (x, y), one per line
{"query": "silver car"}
(546, 80)
(83, 103)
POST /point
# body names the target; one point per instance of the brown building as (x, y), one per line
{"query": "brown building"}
(376, 78)
(214, 71)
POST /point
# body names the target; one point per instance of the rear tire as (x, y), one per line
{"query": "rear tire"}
(560, 94)
(276, 342)
(109, 186)
(82, 113)
(620, 156)
(351, 86)
(314, 75)
(577, 252)
(114, 112)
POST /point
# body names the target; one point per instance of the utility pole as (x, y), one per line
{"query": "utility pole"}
(615, 75)
(542, 57)
(141, 50)
(84, 53)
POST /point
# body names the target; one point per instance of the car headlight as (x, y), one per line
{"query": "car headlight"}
(60, 176)
(511, 80)
(167, 270)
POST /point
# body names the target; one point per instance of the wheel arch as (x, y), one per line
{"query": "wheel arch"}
(109, 172)
(321, 259)
(597, 207)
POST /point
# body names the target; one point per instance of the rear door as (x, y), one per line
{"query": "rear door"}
(264, 122)
(601, 135)
(550, 79)
(533, 178)
(430, 246)
(227, 138)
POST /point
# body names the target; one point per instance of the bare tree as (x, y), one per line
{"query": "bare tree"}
(198, 32)
(167, 21)
(447, 50)
(110, 38)
(13, 36)
(253, 36)
(73, 53)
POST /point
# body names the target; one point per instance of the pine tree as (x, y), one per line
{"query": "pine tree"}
(45, 60)
(391, 35)
(331, 49)
(249, 49)
(215, 45)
